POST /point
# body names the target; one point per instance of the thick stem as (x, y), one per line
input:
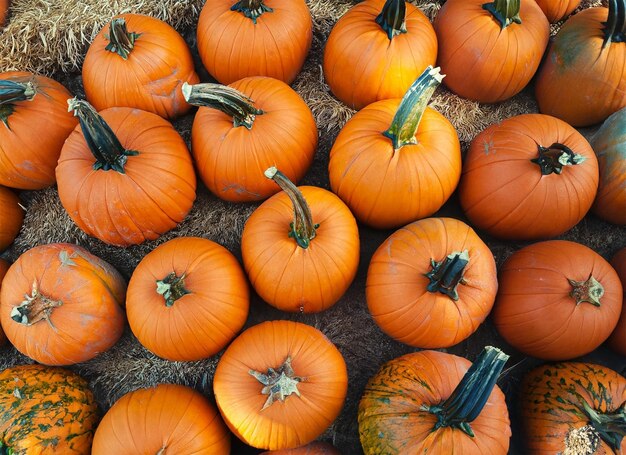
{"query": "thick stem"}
(302, 229)
(223, 98)
(615, 25)
(392, 18)
(121, 41)
(610, 426)
(252, 9)
(589, 291)
(34, 308)
(278, 383)
(504, 11)
(13, 92)
(446, 275)
(552, 159)
(104, 145)
(172, 288)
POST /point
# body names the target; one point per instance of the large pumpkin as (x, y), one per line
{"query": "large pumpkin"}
(46, 411)
(396, 161)
(187, 299)
(555, 10)
(490, 51)
(528, 177)
(280, 384)
(4, 266)
(138, 61)
(237, 39)
(125, 175)
(617, 340)
(376, 50)
(436, 403)
(60, 304)
(241, 130)
(31, 103)
(12, 216)
(431, 283)
(164, 419)
(557, 300)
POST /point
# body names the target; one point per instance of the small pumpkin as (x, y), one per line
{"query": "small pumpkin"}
(47, 411)
(617, 340)
(280, 384)
(433, 402)
(187, 299)
(12, 216)
(138, 61)
(167, 418)
(376, 50)
(314, 448)
(557, 300)
(28, 103)
(555, 10)
(242, 38)
(4, 266)
(60, 304)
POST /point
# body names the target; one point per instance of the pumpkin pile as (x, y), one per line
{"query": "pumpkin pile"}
(420, 237)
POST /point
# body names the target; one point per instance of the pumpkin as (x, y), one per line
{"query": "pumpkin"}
(376, 50)
(531, 176)
(280, 384)
(396, 161)
(431, 283)
(4, 266)
(46, 410)
(4, 11)
(187, 299)
(12, 216)
(490, 51)
(31, 103)
(238, 39)
(433, 402)
(557, 300)
(167, 418)
(314, 448)
(609, 144)
(573, 408)
(125, 175)
(617, 340)
(582, 80)
(555, 10)
(138, 61)
(300, 248)
(242, 129)
(60, 304)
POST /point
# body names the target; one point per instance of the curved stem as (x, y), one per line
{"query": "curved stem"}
(552, 159)
(610, 426)
(504, 11)
(589, 291)
(172, 288)
(121, 41)
(34, 308)
(278, 383)
(252, 9)
(302, 227)
(446, 275)
(392, 18)
(615, 25)
(409, 114)
(13, 92)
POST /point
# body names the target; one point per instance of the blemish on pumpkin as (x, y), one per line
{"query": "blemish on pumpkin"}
(237, 188)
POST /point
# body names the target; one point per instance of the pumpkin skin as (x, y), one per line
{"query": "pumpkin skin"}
(322, 391)
(363, 65)
(149, 78)
(275, 44)
(167, 418)
(555, 10)
(552, 400)
(506, 194)
(79, 297)
(314, 448)
(536, 310)
(46, 411)
(4, 11)
(483, 61)
(4, 266)
(204, 306)
(27, 160)
(617, 340)
(397, 287)
(12, 216)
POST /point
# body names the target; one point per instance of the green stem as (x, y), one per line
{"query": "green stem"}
(610, 426)
(504, 11)
(121, 41)
(302, 229)
(223, 98)
(446, 275)
(172, 288)
(392, 18)
(589, 291)
(252, 9)
(552, 159)
(615, 25)
(12, 92)
(409, 114)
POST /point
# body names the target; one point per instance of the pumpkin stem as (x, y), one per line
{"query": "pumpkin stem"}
(121, 41)
(611, 426)
(102, 141)
(223, 98)
(588, 291)
(446, 275)
(302, 229)
(34, 308)
(172, 288)
(252, 9)
(278, 383)
(504, 11)
(553, 158)
(615, 25)
(392, 18)
(409, 114)
(11, 92)
(469, 397)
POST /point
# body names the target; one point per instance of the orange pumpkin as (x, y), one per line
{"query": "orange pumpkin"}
(376, 50)
(187, 299)
(280, 384)
(60, 304)
(237, 39)
(167, 418)
(557, 300)
(314, 448)
(125, 175)
(396, 160)
(4, 266)
(138, 61)
(528, 177)
(4, 11)
(300, 248)
(555, 10)
(12, 216)
(617, 340)
(490, 51)
(31, 103)
(431, 283)
(241, 130)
